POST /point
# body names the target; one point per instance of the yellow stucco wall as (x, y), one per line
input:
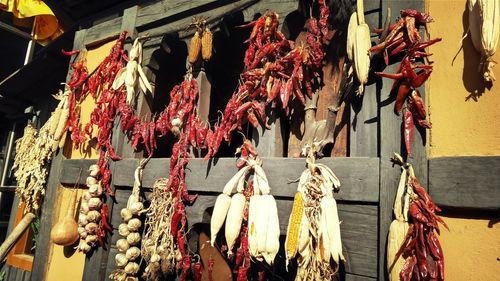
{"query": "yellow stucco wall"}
(465, 119)
(68, 265)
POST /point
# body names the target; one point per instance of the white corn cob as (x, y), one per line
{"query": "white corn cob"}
(234, 219)
(351, 35)
(324, 236)
(253, 217)
(332, 219)
(273, 231)
(261, 224)
(484, 26)
(222, 204)
(361, 45)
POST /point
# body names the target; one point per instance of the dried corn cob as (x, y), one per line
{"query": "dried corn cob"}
(206, 44)
(194, 48)
(351, 35)
(234, 219)
(484, 26)
(294, 224)
(222, 204)
(361, 45)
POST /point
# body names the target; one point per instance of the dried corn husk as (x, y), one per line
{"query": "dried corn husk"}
(234, 219)
(206, 44)
(484, 26)
(222, 204)
(362, 43)
(351, 35)
(194, 48)
(397, 231)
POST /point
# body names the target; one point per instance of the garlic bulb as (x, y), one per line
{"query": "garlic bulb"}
(121, 260)
(133, 253)
(94, 170)
(95, 189)
(90, 181)
(134, 224)
(122, 245)
(123, 230)
(154, 258)
(91, 228)
(95, 203)
(86, 195)
(93, 216)
(136, 208)
(91, 239)
(82, 219)
(84, 207)
(84, 247)
(126, 214)
(133, 238)
(131, 268)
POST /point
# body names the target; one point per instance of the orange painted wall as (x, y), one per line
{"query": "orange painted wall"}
(65, 264)
(466, 122)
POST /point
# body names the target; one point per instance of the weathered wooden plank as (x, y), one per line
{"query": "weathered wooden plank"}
(359, 176)
(71, 170)
(390, 142)
(364, 122)
(465, 182)
(103, 32)
(353, 277)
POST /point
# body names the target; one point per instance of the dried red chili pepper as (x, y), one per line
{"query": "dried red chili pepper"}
(408, 130)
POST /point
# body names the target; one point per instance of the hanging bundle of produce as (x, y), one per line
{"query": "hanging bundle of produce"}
(34, 151)
(77, 92)
(484, 27)
(314, 228)
(201, 42)
(92, 219)
(275, 71)
(132, 74)
(129, 246)
(358, 43)
(159, 248)
(251, 210)
(420, 256)
(404, 38)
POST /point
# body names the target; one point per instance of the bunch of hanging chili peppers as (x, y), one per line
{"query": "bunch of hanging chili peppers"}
(403, 38)
(275, 71)
(421, 247)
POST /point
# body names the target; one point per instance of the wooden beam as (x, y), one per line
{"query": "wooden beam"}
(358, 175)
(465, 182)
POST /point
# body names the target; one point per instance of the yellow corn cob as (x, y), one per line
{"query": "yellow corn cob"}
(222, 204)
(351, 35)
(294, 224)
(206, 44)
(194, 48)
(234, 219)
(361, 45)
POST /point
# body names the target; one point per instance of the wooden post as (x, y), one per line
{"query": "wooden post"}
(15, 234)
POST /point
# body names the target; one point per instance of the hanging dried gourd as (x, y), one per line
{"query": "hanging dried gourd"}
(484, 27)
(313, 233)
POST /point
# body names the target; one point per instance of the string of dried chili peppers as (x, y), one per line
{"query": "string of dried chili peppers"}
(403, 38)
(421, 249)
(276, 69)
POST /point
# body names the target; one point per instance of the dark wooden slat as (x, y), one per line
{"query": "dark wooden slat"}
(364, 124)
(103, 32)
(71, 169)
(353, 277)
(359, 176)
(465, 182)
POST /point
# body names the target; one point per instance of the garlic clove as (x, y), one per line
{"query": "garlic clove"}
(133, 253)
(91, 228)
(93, 216)
(95, 190)
(82, 219)
(122, 245)
(86, 196)
(91, 239)
(91, 180)
(131, 268)
(94, 170)
(84, 207)
(136, 208)
(95, 203)
(123, 230)
(133, 238)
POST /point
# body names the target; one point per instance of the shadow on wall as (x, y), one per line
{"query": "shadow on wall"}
(493, 216)
(471, 77)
